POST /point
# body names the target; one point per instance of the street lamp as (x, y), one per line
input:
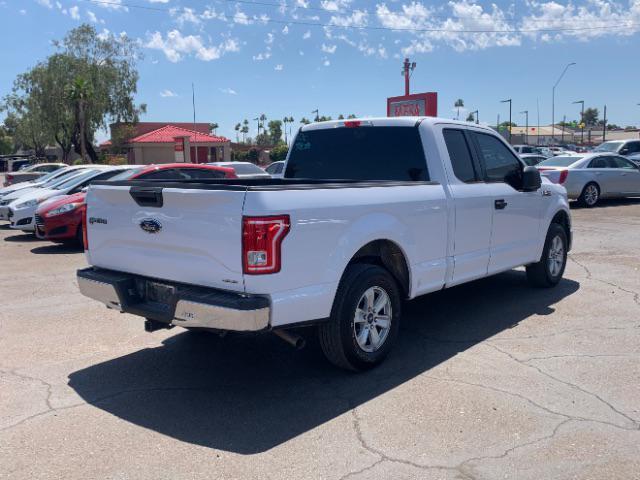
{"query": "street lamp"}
(581, 120)
(476, 114)
(526, 128)
(510, 104)
(553, 101)
(317, 112)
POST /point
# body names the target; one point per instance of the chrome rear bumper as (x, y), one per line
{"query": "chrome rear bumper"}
(180, 305)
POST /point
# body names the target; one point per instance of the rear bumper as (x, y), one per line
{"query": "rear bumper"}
(181, 305)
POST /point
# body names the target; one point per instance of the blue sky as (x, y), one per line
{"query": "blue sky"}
(280, 58)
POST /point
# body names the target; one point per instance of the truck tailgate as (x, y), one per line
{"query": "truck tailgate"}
(190, 235)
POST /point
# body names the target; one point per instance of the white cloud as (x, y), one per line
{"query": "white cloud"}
(168, 94)
(326, 62)
(241, 18)
(302, 3)
(334, 5)
(358, 18)
(331, 49)
(175, 46)
(92, 17)
(113, 5)
(23, 11)
(285, 30)
(228, 91)
(45, 3)
(187, 15)
(269, 39)
(158, 1)
(74, 12)
(279, 67)
(307, 35)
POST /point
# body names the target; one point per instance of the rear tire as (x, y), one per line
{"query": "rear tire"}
(365, 318)
(549, 270)
(590, 195)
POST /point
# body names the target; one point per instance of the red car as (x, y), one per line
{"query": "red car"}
(60, 220)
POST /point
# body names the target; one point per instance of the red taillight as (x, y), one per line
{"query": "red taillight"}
(563, 176)
(8, 177)
(261, 241)
(353, 124)
(85, 239)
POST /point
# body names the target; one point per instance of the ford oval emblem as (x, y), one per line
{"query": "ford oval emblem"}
(150, 225)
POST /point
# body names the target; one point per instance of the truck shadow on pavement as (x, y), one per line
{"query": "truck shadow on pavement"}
(248, 394)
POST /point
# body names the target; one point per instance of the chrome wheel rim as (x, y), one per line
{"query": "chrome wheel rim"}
(372, 320)
(591, 195)
(555, 260)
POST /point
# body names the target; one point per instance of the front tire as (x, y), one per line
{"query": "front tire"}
(549, 270)
(590, 195)
(365, 318)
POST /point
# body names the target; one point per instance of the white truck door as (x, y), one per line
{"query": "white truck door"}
(516, 214)
(473, 209)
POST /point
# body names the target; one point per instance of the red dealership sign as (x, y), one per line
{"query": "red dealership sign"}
(416, 105)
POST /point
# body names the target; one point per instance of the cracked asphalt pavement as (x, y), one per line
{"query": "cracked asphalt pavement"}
(489, 380)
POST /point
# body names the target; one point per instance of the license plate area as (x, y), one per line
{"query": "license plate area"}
(159, 292)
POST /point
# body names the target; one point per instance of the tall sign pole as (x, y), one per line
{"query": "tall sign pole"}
(407, 69)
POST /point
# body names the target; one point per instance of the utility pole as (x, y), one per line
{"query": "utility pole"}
(498, 124)
(195, 132)
(581, 120)
(257, 120)
(510, 123)
(564, 123)
(553, 101)
(407, 70)
(526, 128)
(317, 112)
(604, 125)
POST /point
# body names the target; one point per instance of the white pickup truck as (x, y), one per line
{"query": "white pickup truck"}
(369, 213)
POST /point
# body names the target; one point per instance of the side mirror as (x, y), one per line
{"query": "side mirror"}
(531, 179)
(85, 189)
(624, 151)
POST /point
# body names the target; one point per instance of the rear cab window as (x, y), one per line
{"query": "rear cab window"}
(363, 153)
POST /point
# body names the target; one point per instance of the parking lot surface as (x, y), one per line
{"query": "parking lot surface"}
(489, 380)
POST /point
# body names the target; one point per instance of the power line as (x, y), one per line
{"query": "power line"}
(381, 28)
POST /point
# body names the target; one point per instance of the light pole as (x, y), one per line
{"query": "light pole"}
(510, 123)
(526, 128)
(257, 120)
(476, 114)
(317, 112)
(553, 101)
(581, 102)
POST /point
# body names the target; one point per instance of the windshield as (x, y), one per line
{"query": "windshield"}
(608, 147)
(71, 182)
(127, 174)
(48, 176)
(560, 161)
(62, 177)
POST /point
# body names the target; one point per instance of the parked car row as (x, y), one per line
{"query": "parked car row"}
(52, 206)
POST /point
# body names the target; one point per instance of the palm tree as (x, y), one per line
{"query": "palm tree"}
(245, 130)
(305, 121)
(213, 127)
(237, 129)
(459, 103)
(80, 92)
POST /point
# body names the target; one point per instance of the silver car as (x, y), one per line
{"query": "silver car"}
(593, 176)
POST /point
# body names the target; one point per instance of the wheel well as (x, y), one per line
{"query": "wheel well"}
(386, 254)
(562, 219)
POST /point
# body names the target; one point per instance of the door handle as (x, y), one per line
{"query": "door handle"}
(500, 204)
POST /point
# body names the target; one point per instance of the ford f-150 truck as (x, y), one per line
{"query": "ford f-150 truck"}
(369, 213)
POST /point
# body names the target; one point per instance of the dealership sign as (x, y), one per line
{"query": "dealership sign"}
(416, 105)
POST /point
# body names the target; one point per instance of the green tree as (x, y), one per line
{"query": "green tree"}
(352, 116)
(305, 121)
(237, 128)
(458, 104)
(471, 117)
(590, 117)
(275, 131)
(6, 142)
(245, 130)
(341, 117)
(263, 140)
(213, 127)
(279, 152)
(253, 155)
(80, 92)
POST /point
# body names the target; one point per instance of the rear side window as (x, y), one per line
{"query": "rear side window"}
(633, 147)
(199, 173)
(364, 153)
(599, 162)
(166, 174)
(460, 155)
(500, 164)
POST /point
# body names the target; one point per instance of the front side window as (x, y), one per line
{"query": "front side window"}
(500, 164)
(199, 173)
(620, 162)
(361, 153)
(460, 155)
(633, 147)
(599, 162)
